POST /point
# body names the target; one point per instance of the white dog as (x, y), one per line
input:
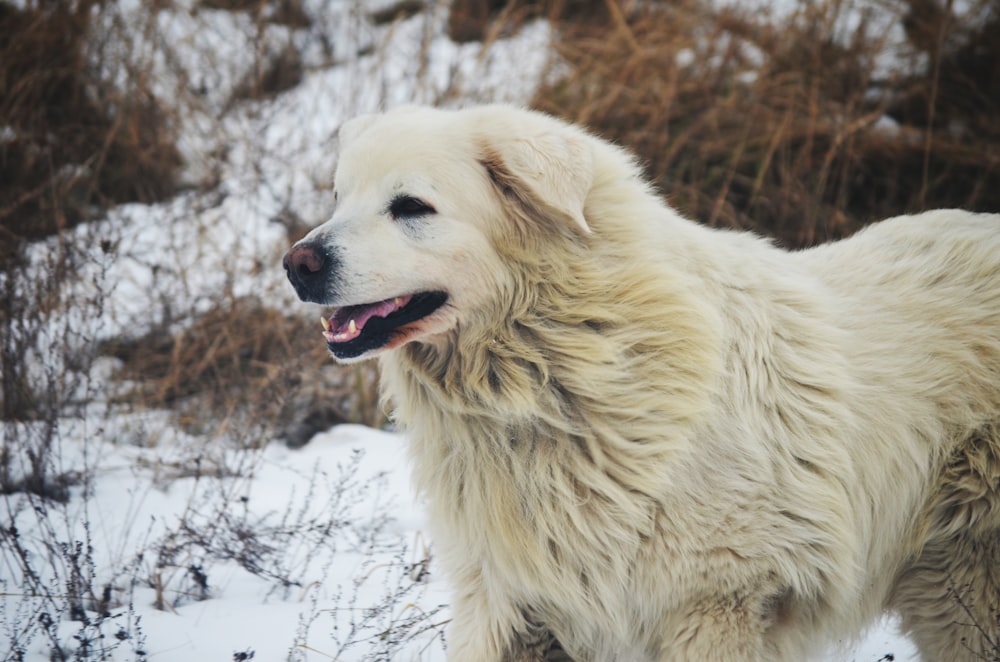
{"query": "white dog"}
(644, 439)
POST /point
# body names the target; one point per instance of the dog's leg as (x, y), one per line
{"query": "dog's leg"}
(554, 651)
(540, 644)
(494, 631)
(466, 643)
(474, 634)
(733, 628)
(949, 600)
(949, 597)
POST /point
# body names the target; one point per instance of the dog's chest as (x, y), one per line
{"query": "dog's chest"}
(563, 554)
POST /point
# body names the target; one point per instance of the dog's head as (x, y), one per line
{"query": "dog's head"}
(428, 204)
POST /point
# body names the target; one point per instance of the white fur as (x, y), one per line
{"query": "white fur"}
(651, 440)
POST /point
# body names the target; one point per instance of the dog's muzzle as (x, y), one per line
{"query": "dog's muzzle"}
(311, 270)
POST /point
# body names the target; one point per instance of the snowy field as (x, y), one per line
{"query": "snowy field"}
(205, 549)
(366, 586)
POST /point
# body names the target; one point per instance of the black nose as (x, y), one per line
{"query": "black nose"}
(309, 269)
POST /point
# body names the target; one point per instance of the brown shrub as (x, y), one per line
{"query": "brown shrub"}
(71, 140)
(485, 20)
(281, 12)
(272, 74)
(782, 129)
(246, 363)
(275, 69)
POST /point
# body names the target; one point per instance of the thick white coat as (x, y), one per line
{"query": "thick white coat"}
(652, 440)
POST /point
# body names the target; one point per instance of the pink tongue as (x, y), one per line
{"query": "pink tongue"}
(347, 323)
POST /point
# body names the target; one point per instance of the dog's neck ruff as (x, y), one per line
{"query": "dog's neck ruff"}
(559, 372)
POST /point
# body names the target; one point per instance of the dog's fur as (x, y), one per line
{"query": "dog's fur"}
(645, 439)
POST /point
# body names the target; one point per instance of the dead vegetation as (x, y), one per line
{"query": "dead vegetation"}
(245, 362)
(793, 129)
(70, 141)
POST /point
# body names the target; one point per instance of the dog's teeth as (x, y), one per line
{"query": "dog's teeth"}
(326, 323)
(399, 301)
(352, 327)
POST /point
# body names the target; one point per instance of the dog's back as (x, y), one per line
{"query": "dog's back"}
(930, 334)
(923, 292)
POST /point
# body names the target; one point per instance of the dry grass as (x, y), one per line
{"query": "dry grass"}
(485, 20)
(780, 128)
(73, 142)
(275, 70)
(741, 123)
(244, 362)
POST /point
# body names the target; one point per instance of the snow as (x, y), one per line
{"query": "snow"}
(352, 478)
(217, 550)
(341, 509)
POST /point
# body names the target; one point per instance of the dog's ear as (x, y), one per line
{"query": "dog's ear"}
(546, 174)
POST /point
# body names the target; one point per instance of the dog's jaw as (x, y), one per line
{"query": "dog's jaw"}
(357, 332)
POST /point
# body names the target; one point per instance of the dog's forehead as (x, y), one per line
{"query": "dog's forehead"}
(398, 147)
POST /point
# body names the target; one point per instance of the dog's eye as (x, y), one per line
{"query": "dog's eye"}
(405, 206)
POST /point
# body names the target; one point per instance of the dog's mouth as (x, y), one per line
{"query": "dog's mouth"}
(355, 330)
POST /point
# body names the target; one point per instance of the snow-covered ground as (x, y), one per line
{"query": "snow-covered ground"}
(210, 550)
(366, 583)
